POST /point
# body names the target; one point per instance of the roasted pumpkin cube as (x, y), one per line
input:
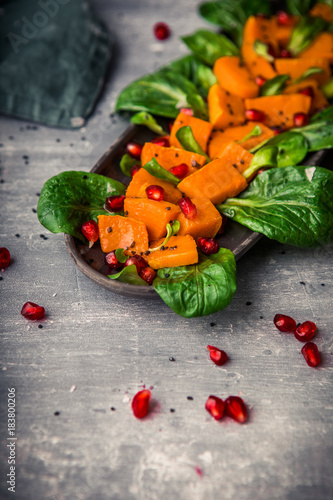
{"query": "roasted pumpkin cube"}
(225, 110)
(116, 231)
(142, 179)
(323, 10)
(233, 76)
(318, 101)
(296, 67)
(200, 129)
(179, 251)
(171, 157)
(321, 46)
(206, 223)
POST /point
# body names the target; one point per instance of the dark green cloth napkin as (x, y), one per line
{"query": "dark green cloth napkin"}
(53, 59)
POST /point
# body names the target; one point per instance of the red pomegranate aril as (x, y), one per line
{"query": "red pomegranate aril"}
(311, 354)
(255, 115)
(154, 192)
(180, 171)
(187, 111)
(284, 323)
(307, 91)
(215, 406)
(148, 274)
(188, 208)
(161, 31)
(133, 260)
(208, 245)
(32, 311)
(236, 409)
(4, 257)
(140, 403)
(286, 54)
(283, 18)
(301, 119)
(217, 356)
(134, 149)
(143, 263)
(162, 141)
(260, 80)
(90, 231)
(135, 169)
(115, 203)
(277, 130)
(306, 331)
(271, 50)
(111, 260)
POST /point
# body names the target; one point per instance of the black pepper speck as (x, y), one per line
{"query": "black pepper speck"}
(171, 359)
(248, 303)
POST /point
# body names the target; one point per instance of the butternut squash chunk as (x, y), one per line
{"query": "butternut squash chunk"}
(116, 231)
(233, 76)
(217, 181)
(321, 46)
(180, 251)
(317, 102)
(297, 66)
(280, 109)
(225, 110)
(170, 157)
(322, 10)
(154, 214)
(142, 179)
(207, 222)
(200, 129)
(237, 157)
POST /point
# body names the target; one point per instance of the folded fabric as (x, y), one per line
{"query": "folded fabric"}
(53, 59)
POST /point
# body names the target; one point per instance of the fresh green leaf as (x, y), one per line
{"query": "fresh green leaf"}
(314, 70)
(262, 50)
(71, 198)
(209, 46)
(186, 138)
(126, 163)
(156, 170)
(299, 7)
(304, 33)
(323, 115)
(327, 88)
(162, 93)
(292, 205)
(200, 289)
(265, 157)
(274, 86)
(129, 275)
(292, 148)
(194, 70)
(172, 229)
(319, 135)
(146, 119)
(255, 132)
(120, 255)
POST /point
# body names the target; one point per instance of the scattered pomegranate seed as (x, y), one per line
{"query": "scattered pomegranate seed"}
(162, 141)
(260, 80)
(135, 261)
(188, 208)
(161, 31)
(134, 149)
(215, 406)
(236, 409)
(255, 115)
(283, 18)
(115, 203)
(142, 261)
(208, 245)
(284, 323)
(135, 169)
(311, 354)
(306, 331)
(187, 111)
(286, 54)
(30, 310)
(223, 225)
(155, 193)
(277, 130)
(170, 125)
(180, 171)
(217, 356)
(271, 50)
(112, 261)
(301, 119)
(148, 274)
(307, 91)
(4, 257)
(140, 403)
(90, 231)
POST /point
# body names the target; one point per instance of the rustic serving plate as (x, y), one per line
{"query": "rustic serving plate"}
(90, 262)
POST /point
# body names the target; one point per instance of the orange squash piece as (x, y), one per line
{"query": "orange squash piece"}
(322, 10)
(179, 251)
(154, 214)
(217, 181)
(280, 109)
(317, 102)
(170, 157)
(225, 110)
(116, 231)
(200, 129)
(142, 179)
(233, 75)
(297, 66)
(206, 223)
(321, 46)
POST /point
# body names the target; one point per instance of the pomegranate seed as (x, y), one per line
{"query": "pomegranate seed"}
(217, 356)
(300, 119)
(307, 91)
(135, 169)
(162, 141)
(4, 257)
(171, 125)
(311, 354)
(236, 409)
(90, 231)
(30, 310)
(208, 245)
(135, 261)
(188, 208)
(277, 130)
(148, 274)
(271, 50)
(284, 323)
(260, 80)
(255, 115)
(224, 223)
(180, 171)
(134, 149)
(187, 111)
(155, 193)
(161, 31)
(283, 18)
(306, 331)
(215, 406)
(115, 203)
(140, 403)
(112, 261)
(286, 54)
(141, 260)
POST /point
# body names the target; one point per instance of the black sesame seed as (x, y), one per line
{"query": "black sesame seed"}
(112, 408)
(147, 252)
(172, 410)
(156, 154)
(323, 284)
(17, 235)
(301, 283)
(57, 413)
(242, 162)
(40, 326)
(190, 398)
(58, 140)
(261, 317)
(212, 324)
(167, 208)
(109, 229)
(25, 157)
(234, 165)
(176, 155)
(171, 359)
(34, 210)
(167, 275)
(248, 303)
(1, 278)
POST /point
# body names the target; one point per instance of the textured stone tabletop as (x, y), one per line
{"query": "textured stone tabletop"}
(75, 371)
